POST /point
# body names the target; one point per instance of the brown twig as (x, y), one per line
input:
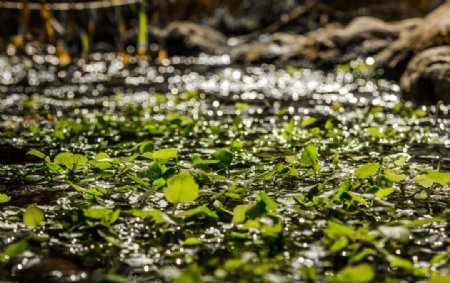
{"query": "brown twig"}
(100, 4)
(284, 20)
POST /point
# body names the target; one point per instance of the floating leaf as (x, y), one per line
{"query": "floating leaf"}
(400, 262)
(335, 229)
(308, 122)
(309, 156)
(375, 132)
(200, 210)
(36, 153)
(13, 250)
(102, 161)
(224, 156)
(340, 244)
(291, 159)
(4, 198)
(157, 215)
(33, 216)
(440, 278)
(356, 274)
(393, 176)
(384, 193)
(164, 154)
(239, 213)
(70, 161)
(192, 242)
(400, 161)
(367, 170)
(432, 176)
(106, 215)
(181, 188)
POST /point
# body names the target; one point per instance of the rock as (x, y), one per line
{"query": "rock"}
(186, 38)
(427, 77)
(276, 47)
(364, 36)
(434, 31)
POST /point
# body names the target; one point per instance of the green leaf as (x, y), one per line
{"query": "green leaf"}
(64, 158)
(356, 274)
(375, 132)
(340, 244)
(400, 262)
(393, 176)
(424, 181)
(13, 250)
(308, 122)
(384, 193)
(401, 160)
(309, 156)
(335, 230)
(269, 203)
(36, 153)
(157, 215)
(440, 278)
(102, 161)
(362, 255)
(442, 178)
(291, 159)
(97, 212)
(70, 161)
(162, 154)
(357, 198)
(224, 156)
(192, 242)
(33, 216)
(106, 215)
(200, 210)
(367, 170)
(76, 187)
(4, 198)
(239, 213)
(181, 188)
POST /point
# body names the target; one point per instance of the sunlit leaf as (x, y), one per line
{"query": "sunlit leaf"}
(181, 188)
(33, 216)
(393, 176)
(224, 156)
(355, 274)
(308, 122)
(200, 210)
(384, 193)
(367, 170)
(4, 198)
(13, 250)
(36, 153)
(162, 154)
(309, 156)
(239, 213)
(192, 242)
(400, 262)
(340, 244)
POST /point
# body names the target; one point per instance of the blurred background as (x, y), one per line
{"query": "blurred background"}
(109, 25)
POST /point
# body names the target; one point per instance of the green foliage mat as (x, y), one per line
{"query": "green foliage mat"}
(192, 186)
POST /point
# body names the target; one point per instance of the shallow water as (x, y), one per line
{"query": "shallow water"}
(262, 115)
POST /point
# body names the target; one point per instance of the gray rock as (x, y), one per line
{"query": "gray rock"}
(427, 77)
(434, 31)
(364, 36)
(270, 48)
(187, 38)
